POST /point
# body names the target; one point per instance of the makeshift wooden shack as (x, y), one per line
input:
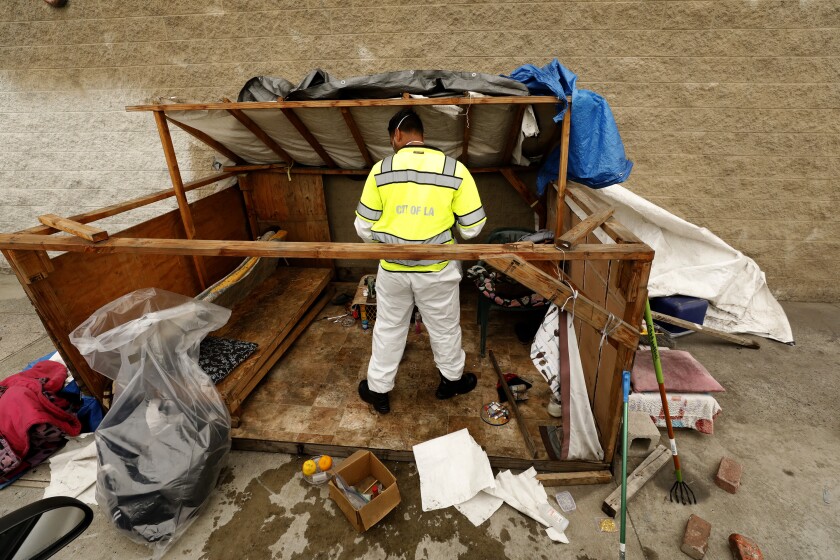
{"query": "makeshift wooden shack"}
(280, 152)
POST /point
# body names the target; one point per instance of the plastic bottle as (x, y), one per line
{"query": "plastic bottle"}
(553, 517)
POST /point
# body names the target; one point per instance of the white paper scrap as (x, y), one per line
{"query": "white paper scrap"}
(525, 493)
(452, 469)
(480, 507)
(73, 471)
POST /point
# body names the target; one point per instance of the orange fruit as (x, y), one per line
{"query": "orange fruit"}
(325, 462)
(309, 468)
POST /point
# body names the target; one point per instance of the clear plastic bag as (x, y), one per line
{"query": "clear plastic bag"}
(167, 435)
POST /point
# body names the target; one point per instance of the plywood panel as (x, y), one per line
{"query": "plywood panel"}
(267, 316)
(309, 399)
(297, 206)
(83, 282)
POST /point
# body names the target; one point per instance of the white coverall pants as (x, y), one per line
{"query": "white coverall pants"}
(436, 295)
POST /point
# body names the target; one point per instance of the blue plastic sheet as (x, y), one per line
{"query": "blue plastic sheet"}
(596, 152)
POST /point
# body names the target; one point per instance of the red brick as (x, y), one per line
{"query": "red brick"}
(696, 538)
(729, 474)
(744, 548)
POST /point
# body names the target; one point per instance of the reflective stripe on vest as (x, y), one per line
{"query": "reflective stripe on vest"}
(368, 213)
(472, 218)
(441, 238)
(419, 177)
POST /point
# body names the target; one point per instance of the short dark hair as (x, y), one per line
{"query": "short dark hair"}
(406, 120)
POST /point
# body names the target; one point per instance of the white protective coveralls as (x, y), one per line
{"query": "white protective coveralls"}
(416, 196)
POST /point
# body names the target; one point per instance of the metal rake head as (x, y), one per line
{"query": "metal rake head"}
(681, 493)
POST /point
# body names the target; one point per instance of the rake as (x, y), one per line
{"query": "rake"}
(680, 491)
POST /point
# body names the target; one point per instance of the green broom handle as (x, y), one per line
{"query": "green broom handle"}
(622, 536)
(657, 366)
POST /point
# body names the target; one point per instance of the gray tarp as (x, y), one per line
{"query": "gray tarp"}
(444, 124)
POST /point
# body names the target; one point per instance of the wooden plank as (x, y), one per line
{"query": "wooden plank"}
(138, 202)
(51, 311)
(584, 228)
(180, 193)
(357, 135)
(268, 316)
(607, 407)
(209, 140)
(612, 227)
(743, 341)
(511, 402)
(406, 456)
(513, 134)
(309, 137)
(575, 478)
(75, 228)
(658, 458)
(557, 292)
(564, 168)
(304, 250)
(525, 193)
(246, 186)
(322, 103)
(261, 135)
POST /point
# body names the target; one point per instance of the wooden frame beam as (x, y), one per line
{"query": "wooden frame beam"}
(525, 194)
(615, 229)
(132, 204)
(309, 137)
(615, 328)
(564, 167)
(357, 135)
(283, 168)
(206, 139)
(75, 228)
(584, 228)
(398, 102)
(261, 135)
(180, 193)
(320, 250)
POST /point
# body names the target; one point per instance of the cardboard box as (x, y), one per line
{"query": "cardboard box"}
(359, 467)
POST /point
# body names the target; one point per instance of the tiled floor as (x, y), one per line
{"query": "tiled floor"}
(310, 396)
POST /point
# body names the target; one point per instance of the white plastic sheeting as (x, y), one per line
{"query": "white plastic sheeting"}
(692, 261)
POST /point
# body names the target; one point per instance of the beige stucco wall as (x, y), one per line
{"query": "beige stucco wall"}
(729, 109)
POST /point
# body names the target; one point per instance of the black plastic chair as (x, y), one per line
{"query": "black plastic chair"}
(485, 304)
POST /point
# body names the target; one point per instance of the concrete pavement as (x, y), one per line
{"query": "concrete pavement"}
(778, 420)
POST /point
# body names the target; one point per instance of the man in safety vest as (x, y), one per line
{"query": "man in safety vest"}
(416, 196)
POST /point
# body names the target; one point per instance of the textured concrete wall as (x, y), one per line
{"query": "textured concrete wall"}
(728, 108)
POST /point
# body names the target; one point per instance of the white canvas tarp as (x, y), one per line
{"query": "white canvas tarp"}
(692, 261)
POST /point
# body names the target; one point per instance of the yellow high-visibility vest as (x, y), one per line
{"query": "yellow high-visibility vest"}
(415, 196)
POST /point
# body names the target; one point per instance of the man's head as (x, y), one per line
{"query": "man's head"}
(405, 127)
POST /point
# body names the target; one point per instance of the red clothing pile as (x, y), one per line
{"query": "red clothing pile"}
(33, 418)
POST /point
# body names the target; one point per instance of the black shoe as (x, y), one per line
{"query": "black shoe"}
(448, 389)
(379, 401)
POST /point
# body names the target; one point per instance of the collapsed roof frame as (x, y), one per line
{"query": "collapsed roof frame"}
(89, 239)
(617, 269)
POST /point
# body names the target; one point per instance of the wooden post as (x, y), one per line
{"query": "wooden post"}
(180, 194)
(245, 186)
(564, 167)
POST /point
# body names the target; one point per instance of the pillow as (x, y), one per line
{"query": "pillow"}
(682, 373)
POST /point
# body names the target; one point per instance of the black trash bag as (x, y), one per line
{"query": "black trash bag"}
(167, 435)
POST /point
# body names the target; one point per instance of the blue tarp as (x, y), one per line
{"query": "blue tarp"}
(596, 152)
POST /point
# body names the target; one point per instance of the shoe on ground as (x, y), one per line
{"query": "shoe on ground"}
(379, 401)
(448, 389)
